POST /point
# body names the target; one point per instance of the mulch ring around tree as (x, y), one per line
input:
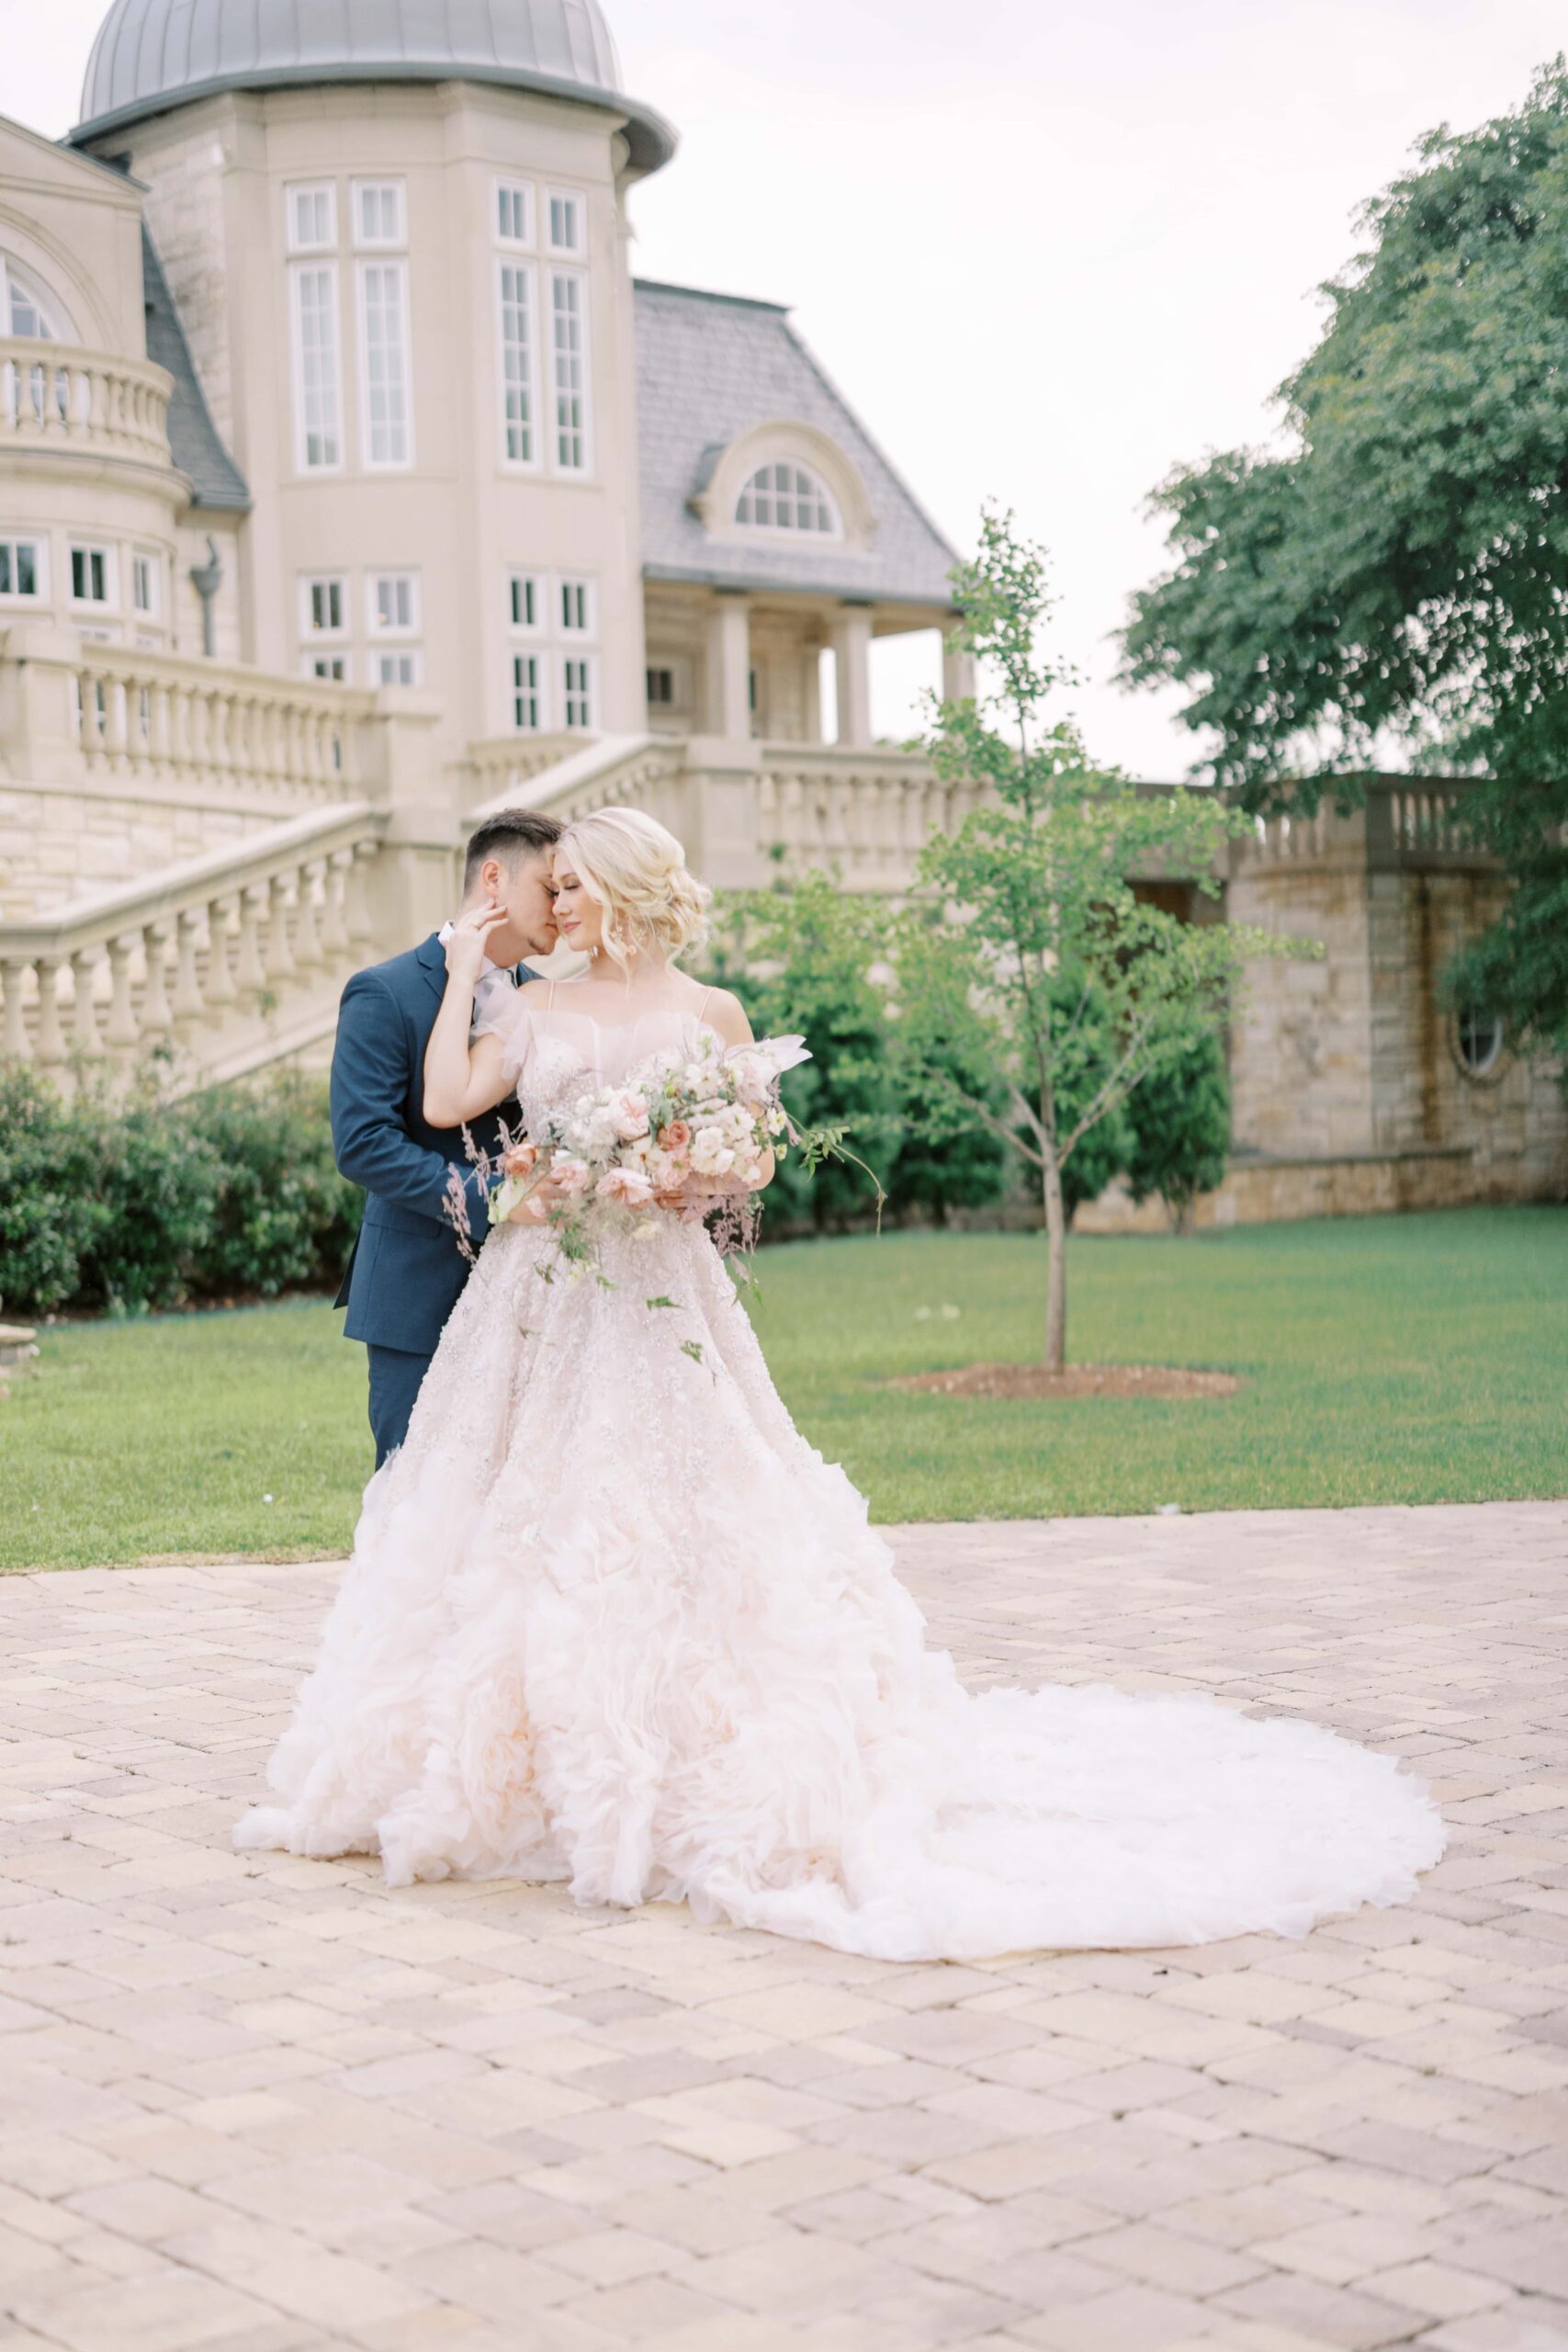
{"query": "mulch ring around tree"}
(1013, 1381)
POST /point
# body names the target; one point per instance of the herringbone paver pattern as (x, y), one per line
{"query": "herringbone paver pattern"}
(259, 2104)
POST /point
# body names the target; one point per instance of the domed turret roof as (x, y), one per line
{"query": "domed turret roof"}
(153, 54)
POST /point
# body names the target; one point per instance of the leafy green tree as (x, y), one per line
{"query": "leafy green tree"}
(1181, 1123)
(1397, 574)
(800, 958)
(1043, 939)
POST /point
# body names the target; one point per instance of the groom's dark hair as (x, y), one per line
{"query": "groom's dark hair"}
(509, 835)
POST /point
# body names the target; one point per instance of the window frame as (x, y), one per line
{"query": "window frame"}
(567, 657)
(326, 669)
(586, 587)
(384, 632)
(527, 276)
(793, 533)
(381, 241)
(55, 323)
(583, 431)
(325, 268)
(12, 541)
(528, 240)
(109, 554)
(310, 635)
(378, 657)
(578, 200)
(292, 240)
(396, 263)
(148, 561)
(537, 690)
(517, 576)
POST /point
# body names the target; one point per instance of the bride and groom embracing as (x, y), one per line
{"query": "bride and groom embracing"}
(610, 1618)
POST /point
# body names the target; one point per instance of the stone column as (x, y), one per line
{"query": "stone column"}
(728, 680)
(851, 664)
(957, 674)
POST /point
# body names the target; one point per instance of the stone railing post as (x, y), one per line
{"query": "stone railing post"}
(412, 882)
(40, 728)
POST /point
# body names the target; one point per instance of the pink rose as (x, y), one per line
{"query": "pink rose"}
(627, 1186)
(570, 1175)
(676, 1135)
(630, 1113)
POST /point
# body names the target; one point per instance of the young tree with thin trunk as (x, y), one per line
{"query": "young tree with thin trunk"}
(1026, 926)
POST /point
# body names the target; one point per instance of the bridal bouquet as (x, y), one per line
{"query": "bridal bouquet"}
(621, 1158)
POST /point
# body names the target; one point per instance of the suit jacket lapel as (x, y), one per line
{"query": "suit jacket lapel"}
(431, 957)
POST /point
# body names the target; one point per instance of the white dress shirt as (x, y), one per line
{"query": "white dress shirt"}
(494, 980)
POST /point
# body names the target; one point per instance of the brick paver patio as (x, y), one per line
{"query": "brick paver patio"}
(257, 2104)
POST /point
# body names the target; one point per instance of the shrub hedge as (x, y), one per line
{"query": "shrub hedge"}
(143, 1203)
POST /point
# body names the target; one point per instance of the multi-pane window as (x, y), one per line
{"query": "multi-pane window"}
(575, 611)
(395, 669)
(786, 497)
(661, 688)
(577, 690)
(92, 575)
(318, 373)
(514, 213)
(21, 568)
(144, 583)
(378, 212)
(527, 692)
(25, 308)
(392, 602)
(525, 600)
(313, 218)
(569, 361)
(323, 601)
(566, 222)
(383, 340)
(327, 665)
(517, 362)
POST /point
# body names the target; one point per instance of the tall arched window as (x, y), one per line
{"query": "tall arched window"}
(787, 497)
(25, 308)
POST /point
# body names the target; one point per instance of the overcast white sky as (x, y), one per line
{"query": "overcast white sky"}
(1046, 251)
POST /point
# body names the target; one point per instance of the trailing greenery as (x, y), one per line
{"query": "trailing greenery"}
(145, 1203)
(1383, 1360)
(1399, 570)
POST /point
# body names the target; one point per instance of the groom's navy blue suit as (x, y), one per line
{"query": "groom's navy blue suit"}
(407, 1270)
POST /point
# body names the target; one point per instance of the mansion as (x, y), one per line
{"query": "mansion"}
(351, 485)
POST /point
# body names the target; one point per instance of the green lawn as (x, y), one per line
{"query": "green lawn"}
(1415, 1359)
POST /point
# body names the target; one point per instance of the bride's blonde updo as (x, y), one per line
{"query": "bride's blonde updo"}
(636, 869)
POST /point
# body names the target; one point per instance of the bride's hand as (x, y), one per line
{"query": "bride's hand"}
(544, 1197)
(468, 939)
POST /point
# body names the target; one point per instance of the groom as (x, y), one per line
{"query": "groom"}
(406, 1271)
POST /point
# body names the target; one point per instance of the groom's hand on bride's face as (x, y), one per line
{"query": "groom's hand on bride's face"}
(466, 946)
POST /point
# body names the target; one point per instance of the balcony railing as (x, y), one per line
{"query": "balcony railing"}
(229, 958)
(56, 397)
(162, 716)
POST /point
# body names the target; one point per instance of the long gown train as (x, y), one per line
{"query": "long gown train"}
(609, 1618)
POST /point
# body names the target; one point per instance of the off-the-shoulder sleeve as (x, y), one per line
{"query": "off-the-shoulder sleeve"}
(510, 1017)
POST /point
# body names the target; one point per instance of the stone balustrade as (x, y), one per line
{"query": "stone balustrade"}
(864, 814)
(230, 960)
(57, 397)
(162, 716)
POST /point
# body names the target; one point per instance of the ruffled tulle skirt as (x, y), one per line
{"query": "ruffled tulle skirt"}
(610, 1620)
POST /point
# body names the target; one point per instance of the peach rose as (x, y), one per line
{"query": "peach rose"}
(520, 1159)
(627, 1186)
(675, 1137)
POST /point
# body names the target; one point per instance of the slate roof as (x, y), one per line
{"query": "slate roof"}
(710, 365)
(216, 480)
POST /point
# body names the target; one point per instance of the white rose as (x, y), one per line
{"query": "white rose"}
(711, 1155)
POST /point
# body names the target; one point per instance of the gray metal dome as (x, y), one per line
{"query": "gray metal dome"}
(151, 55)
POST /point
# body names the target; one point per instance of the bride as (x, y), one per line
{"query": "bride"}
(610, 1618)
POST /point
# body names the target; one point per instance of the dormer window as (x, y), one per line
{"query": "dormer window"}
(787, 497)
(25, 308)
